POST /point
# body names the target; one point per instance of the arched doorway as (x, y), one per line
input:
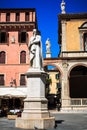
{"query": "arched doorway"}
(78, 82)
(54, 95)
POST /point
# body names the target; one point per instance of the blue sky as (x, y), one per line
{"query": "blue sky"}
(47, 16)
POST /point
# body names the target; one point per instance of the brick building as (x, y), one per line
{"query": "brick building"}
(16, 27)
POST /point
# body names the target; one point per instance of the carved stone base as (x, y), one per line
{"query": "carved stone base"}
(35, 108)
(35, 114)
(41, 123)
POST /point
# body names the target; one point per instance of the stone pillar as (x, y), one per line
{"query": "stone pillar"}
(48, 45)
(65, 89)
(35, 114)
(63, 48)
(48, 55)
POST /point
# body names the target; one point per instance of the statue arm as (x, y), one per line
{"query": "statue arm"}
(35, 40)
(31, 42)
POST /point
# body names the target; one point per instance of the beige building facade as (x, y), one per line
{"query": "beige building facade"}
(72, 61)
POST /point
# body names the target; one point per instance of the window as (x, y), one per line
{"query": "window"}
(22, 80)
(8, 17)
(2, 57)
(85, 42)
(23, 37)
(3, 37)
(23, 57)
(17, 17)
(57, 76)
(58, 85)
(1, 79)
(27, 16)
(83, 36)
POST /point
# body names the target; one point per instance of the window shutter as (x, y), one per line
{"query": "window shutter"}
(22, 79)
(7, 38)
(1, 79)
(19, 37)
(27, 38)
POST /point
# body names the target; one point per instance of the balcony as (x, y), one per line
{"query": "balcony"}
(79, 102)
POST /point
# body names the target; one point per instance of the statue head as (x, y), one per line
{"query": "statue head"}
(34, 31)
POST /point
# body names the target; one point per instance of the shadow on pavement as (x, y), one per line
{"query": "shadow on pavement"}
(58, 122)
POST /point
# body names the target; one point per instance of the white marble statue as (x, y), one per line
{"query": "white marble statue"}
(35, 51)
(48, 46)
(63, 7)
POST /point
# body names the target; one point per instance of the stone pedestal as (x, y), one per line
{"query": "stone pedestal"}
(35, 114)
(48, 55)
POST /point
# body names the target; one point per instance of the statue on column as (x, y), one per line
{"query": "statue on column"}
(48, 45)
(63, 7)
(35, 51)
(36, 79)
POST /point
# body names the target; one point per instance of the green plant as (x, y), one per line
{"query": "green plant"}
(47, 87)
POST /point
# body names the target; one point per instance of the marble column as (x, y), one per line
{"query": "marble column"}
(65, 88)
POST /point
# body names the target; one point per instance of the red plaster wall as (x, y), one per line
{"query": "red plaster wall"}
(12, 68)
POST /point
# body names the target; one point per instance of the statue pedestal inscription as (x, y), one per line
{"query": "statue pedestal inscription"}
(35, 114)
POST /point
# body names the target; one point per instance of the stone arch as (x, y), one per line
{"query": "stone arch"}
(83, 36)
(83, 25)
(53, 64)
(78, 64)
(56, 85)
(78, 81)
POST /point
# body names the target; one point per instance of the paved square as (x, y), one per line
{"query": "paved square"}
(64, 121)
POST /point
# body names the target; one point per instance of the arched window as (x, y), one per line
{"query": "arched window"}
(2, 57)
(83, 36)
(22, 57)
(85, 42)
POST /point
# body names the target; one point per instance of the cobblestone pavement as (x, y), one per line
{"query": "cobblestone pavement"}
(64, 121)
